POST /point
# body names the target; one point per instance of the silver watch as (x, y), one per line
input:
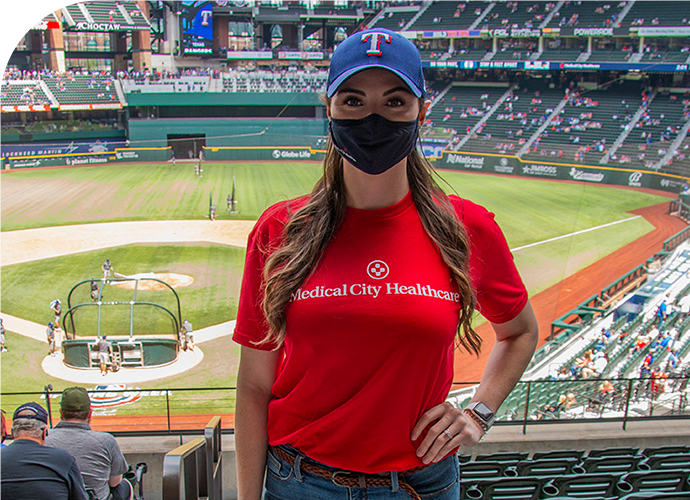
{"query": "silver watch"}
(483, 412)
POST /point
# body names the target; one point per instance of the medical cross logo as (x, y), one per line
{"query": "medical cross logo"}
(375, 46)
(377, 269)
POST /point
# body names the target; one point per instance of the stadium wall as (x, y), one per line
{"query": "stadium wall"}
(232, 132)
(595, 174)
(303, 139)
(223, 99)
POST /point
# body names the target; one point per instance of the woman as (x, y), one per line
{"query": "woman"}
(352, 301)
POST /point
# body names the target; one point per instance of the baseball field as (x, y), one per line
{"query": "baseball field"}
(554, 228)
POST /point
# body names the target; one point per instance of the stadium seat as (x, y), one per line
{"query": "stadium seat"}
(487, 469)
(583, 486)
(672, 461)
(657, 480)
(502, 489)
(558, 454)
(508, 456)
(665, 450)
(614, 452)
(548, 467)
(656, 495)
(612, 464)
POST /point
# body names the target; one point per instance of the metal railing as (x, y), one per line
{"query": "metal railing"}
(183, 411)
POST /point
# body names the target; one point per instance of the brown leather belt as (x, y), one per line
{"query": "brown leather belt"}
(350, 479)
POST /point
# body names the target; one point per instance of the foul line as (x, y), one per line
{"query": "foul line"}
(575, 233)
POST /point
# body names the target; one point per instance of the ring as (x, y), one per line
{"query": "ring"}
(450, 436)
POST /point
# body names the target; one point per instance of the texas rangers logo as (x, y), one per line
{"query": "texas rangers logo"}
(377, 269)
(375, 45)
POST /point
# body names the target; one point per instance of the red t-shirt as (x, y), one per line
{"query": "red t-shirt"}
(370, 334)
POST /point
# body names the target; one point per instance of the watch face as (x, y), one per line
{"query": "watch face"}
(483, 411)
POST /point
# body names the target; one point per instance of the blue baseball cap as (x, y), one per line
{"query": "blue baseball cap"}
(32, 411)
(377, 48)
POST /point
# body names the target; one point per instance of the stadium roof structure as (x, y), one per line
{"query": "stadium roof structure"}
(104, 16)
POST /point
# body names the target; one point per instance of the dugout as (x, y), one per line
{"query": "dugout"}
(142, 325)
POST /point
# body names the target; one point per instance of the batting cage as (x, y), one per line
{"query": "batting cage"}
(140, 316)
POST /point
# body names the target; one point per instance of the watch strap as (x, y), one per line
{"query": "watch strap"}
(477, 420)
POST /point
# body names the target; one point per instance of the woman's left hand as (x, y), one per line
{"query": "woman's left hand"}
(452, 429)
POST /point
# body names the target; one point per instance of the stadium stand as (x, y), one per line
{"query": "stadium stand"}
(660, 13)
(81, 89)
(448, 15)
(395, 19)
(587, 14)
(462, 107)
(125, 13)
(517, 14)
(24, 93)
(659, 125)
(588, 125)
(521, 114)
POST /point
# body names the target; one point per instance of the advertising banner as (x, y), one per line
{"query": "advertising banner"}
(250, 54)
(295, 54)
(58, 148)
(556, 65)
(511, 165)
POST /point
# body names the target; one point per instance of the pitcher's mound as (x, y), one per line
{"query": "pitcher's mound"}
(172, 279)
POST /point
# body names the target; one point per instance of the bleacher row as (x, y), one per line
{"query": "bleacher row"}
(639, 364)
(502, 119)
(453, 15)
(124, 12)
(602, 474)
(60, 90)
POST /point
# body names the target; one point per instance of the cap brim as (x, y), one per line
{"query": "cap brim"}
(335, 85)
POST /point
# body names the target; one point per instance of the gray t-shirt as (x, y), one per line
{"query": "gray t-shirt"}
(98, 454)
(103, 346)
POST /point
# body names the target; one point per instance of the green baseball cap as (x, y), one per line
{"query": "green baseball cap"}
(75, 399)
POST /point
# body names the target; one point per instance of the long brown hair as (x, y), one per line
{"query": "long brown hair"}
(309, 230)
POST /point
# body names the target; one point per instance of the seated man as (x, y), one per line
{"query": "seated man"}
(31, 470)
(97, 453)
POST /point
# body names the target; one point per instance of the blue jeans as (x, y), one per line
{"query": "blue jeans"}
(439, 481)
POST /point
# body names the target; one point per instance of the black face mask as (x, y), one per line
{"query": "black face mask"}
(373, 144)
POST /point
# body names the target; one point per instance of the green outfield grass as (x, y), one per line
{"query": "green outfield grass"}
(528, 210)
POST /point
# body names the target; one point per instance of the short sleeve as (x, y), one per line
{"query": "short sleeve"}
(77, 490)
(251, 326)
(119, 463)
(500, 292)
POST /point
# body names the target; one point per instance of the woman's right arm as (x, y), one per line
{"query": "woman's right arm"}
(254, 381)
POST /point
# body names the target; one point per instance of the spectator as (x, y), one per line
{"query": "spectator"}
(2, 337)
(661, 312)
(684, 306)
(3, 427)
(553, 410)
(97, 453)
(31, 470)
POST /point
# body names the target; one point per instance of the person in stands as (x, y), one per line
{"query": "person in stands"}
(355, 297)
(33, 471)
(97, 453)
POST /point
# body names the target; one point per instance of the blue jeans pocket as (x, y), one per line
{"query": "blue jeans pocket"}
(438, 482)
